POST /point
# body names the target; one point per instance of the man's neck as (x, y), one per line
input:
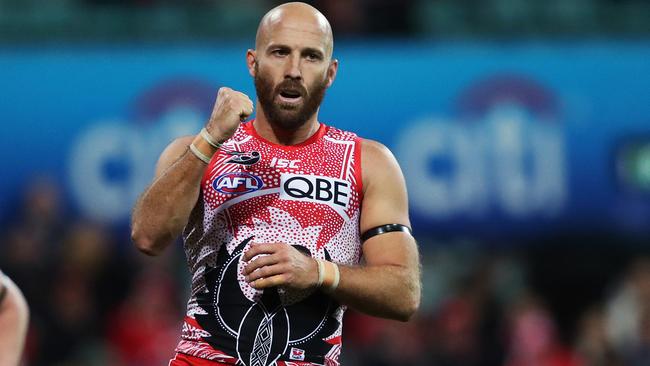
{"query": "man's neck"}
(276, 134)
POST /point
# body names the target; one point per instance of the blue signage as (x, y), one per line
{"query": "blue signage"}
(493, 139)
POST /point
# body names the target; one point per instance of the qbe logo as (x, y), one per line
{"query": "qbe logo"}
(330, 191)
(237, 183)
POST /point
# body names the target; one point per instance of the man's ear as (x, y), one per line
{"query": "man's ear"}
(251, 61)
(331, 71)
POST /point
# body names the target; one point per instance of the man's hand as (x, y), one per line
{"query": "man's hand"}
(283, 265)
(231, 108)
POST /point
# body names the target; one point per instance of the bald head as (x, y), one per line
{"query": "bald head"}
(298, 16)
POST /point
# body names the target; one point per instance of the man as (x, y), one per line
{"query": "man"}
(270, 212)
(14, 316)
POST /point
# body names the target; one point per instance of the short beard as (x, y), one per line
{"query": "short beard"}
(285, 116)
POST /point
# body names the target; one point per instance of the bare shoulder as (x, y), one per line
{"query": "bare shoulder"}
(375, 150)
(178, 145)
(377, 161)
(173, 152)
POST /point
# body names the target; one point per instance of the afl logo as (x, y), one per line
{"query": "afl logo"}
(237, 183)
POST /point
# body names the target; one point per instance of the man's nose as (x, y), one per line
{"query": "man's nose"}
(293, 68)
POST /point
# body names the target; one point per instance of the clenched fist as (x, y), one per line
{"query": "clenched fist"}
(231, 108)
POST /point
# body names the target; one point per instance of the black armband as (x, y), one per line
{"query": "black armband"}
(383, 229)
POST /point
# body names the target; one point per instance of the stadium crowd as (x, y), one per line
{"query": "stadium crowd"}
(96, 301)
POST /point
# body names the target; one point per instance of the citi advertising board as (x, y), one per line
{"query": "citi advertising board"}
(493, 139)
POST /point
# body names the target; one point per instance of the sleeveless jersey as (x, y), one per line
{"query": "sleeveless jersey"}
(306, 195)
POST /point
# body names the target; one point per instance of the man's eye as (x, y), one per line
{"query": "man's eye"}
(281, 52)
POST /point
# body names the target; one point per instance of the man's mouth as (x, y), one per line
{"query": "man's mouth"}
(290, 96)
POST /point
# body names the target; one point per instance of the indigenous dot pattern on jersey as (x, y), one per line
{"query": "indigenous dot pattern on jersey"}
(246, 194)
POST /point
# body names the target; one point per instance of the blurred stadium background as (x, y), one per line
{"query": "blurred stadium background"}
(523, 129)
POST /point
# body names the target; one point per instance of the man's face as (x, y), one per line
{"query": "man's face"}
(288, 103)
(292, 70)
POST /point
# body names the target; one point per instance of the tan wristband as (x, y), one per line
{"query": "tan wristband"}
(210, 140)
(321, 272)
(329, 275)
(202, 148)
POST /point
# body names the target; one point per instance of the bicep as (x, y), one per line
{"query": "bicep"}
(384, 198)
(172, 153)
(385, 201)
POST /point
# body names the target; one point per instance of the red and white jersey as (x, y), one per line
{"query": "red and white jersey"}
(305, 195)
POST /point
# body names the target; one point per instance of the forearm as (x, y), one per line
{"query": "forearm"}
(14, 317)
(386, 291)
(164, 208)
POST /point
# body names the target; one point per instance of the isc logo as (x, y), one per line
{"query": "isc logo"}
(331, 191)
(284, 163)
(237, 183)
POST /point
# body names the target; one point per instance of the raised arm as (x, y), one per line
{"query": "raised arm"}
(162, 211)
(14, 318)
